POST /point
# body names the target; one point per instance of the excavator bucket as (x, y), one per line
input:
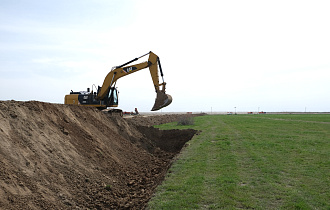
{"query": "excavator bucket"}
(161, 101)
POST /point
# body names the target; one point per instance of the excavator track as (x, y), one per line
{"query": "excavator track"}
(115, 112)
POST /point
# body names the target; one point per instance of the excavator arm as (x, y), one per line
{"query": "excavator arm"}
(162, 99)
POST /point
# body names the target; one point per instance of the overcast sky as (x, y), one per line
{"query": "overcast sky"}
(266, 55)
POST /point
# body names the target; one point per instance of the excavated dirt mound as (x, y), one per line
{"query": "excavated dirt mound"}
(141, 120)
(55, 156)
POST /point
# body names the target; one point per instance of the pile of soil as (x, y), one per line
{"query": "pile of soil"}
(55, 156)
(150, 120)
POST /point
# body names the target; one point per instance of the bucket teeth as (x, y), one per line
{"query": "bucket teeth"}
(162, 100)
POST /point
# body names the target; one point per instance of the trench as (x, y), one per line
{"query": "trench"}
(163, 144)
(166, 144)
(171, 141)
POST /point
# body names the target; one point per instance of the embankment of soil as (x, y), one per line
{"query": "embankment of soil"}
(55, 156)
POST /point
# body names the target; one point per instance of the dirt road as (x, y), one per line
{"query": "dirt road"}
(55, 156)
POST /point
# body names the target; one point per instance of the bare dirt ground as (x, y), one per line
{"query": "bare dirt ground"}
(151, 120)
(55, 156)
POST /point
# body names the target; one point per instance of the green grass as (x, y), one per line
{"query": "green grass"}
(251, 161)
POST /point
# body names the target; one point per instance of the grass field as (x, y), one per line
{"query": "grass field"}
(251, 161)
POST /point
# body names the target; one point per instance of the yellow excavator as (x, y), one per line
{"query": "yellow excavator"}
(107, 95)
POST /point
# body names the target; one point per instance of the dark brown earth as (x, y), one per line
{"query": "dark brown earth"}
(55, 156)
(158, 119)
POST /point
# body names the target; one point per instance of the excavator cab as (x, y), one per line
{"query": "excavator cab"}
(112, 97)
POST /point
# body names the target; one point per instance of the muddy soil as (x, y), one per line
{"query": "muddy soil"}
(55, 156)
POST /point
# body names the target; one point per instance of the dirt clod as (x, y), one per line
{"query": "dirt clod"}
(55, 156)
